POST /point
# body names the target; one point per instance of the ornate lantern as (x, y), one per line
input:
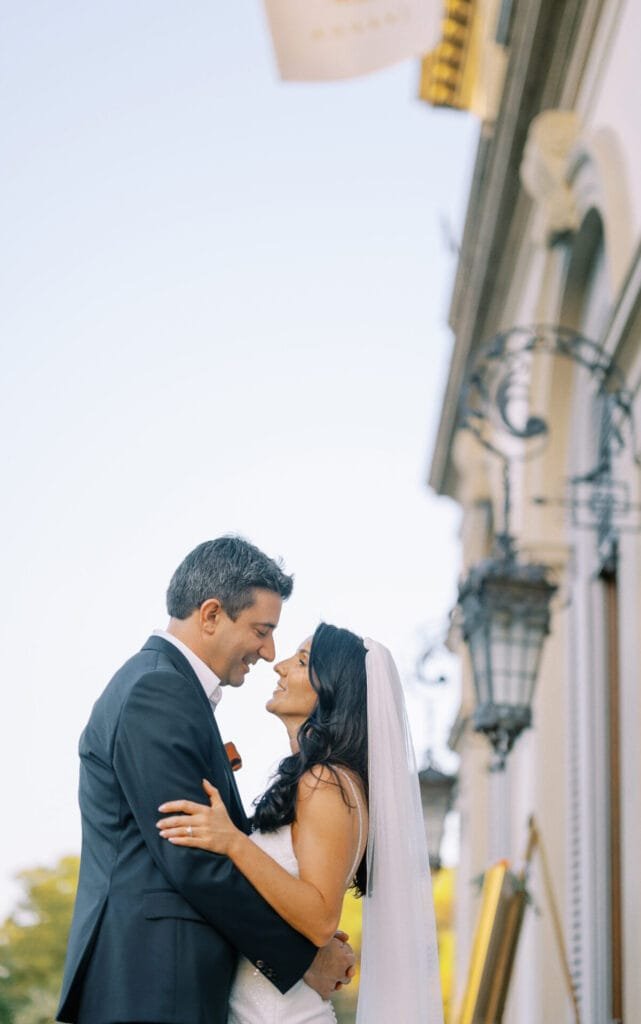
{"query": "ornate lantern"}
(437, 794)
(505, 605)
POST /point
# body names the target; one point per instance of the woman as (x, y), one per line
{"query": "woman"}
(350, 783)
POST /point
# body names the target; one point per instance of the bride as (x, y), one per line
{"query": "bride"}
(343, 810)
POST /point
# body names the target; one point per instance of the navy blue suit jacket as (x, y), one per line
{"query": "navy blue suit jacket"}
(157, 929)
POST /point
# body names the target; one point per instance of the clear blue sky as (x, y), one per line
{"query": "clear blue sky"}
(223, 306)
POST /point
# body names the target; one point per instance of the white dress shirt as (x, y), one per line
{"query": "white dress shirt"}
(209, 680)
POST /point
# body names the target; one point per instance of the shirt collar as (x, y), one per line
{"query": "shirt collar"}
(208, 679)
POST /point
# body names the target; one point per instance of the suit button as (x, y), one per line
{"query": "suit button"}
(260, 964)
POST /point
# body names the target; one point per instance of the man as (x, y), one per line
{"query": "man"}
(157, 929)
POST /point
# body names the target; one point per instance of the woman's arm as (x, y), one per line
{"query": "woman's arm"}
(324, 843)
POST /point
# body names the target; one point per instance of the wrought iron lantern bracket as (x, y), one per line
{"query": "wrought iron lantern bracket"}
(504, 601)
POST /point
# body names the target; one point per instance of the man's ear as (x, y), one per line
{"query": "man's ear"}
(209, 615)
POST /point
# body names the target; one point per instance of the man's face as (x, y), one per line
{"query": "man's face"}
(237, 644)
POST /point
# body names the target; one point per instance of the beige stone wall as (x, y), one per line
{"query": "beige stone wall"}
(557, 770)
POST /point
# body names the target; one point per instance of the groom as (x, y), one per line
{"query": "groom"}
(157, 929)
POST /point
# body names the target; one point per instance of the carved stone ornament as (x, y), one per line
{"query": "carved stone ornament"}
(551, 140)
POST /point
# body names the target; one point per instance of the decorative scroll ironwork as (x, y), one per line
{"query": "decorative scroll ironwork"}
(496, 406)
(496, 398)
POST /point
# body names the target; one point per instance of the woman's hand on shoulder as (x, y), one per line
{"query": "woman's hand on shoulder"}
(200, 826)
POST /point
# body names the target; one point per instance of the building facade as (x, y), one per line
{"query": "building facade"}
(553, 236)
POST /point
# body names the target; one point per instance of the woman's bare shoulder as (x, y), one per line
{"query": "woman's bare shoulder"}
(332, 781)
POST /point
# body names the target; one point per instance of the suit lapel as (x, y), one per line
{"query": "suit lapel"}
(240, 818)
(182, 666)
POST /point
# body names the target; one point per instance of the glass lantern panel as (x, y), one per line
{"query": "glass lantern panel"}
(479, 654)
(434, 814)
(517, 643)
(520, 688)
(500, 642)
(536, 638)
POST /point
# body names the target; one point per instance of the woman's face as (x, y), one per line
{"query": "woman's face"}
(294, 696)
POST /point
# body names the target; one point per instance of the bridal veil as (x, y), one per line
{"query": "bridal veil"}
(399, 968)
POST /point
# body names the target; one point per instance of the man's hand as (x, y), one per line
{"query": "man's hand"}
(332, 967)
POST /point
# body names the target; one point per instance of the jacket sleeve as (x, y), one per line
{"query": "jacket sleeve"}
(162, 751)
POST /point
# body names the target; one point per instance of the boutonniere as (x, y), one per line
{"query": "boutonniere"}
(235, 759)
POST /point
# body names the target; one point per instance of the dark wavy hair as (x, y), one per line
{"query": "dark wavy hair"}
(334, 735)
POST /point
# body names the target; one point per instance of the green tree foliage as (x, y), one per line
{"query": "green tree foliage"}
(33, 941)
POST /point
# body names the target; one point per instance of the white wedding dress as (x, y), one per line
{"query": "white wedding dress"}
(254, 1000)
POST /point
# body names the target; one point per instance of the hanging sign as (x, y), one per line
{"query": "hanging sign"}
(321, 40)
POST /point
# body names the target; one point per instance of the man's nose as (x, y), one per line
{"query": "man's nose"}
(267, 650)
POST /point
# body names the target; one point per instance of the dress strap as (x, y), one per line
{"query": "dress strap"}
(359, 809)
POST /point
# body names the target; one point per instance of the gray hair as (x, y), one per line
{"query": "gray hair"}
(228, 568)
